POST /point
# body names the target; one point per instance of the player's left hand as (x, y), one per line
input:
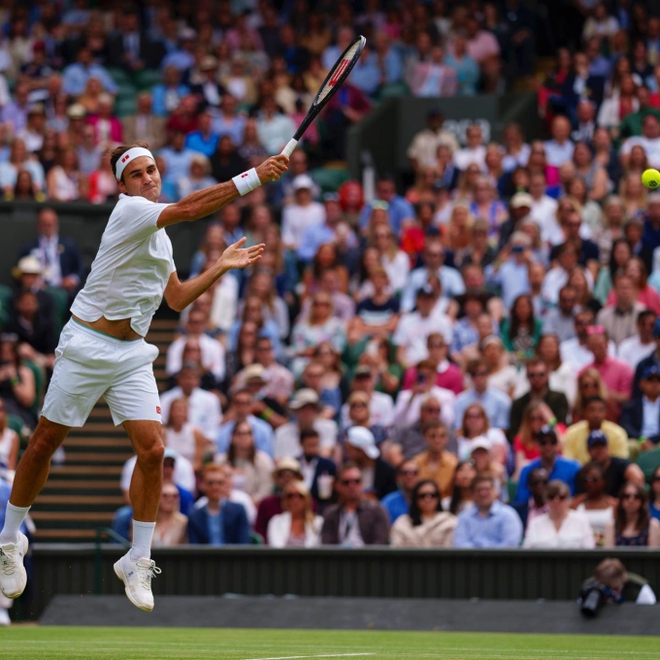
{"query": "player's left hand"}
(236, 256)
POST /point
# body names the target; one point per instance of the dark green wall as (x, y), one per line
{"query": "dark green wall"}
(84, 222)
(381, 572)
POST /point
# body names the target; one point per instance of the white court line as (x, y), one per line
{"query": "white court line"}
(331, 655)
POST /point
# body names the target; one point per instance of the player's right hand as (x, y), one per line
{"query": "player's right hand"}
(273, 168)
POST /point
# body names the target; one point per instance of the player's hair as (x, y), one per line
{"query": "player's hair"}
(119, 151)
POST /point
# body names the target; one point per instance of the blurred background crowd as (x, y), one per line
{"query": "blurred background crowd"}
(470, 359)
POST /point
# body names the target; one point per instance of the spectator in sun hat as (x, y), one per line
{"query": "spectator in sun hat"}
(302, 213)
(378, 476)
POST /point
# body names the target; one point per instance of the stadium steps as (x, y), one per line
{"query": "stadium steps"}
(83, 493)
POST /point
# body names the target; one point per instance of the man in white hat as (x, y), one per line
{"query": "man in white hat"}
(102, 351)
(378, 476)
(27, 274)
(303, 213)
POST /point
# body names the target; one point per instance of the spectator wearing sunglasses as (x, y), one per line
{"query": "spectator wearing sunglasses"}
(559, 528)
(355, 521)
(558, 468)
(640, 417)
(632, 524)
(296, 526)
(426, 525)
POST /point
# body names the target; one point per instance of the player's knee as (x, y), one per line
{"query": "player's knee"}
(43, 446)
(151, 457)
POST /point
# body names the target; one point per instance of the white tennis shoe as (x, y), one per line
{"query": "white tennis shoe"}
(136, 576)
(13, 577)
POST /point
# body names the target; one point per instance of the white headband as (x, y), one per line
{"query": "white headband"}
(131, 154)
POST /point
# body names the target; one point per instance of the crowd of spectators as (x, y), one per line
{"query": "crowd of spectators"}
(472, 360)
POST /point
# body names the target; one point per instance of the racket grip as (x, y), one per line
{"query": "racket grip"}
(290, 146)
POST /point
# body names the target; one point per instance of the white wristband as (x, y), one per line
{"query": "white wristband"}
(247, 181)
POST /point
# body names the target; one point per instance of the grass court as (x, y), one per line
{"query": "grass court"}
(70, 643)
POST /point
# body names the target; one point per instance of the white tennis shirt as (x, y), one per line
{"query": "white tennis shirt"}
(131, 269)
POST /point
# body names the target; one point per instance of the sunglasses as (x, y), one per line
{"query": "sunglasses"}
(558, 496)
(631, 496)
(219, 482)
(428, 496)
(414, 473)
(293, 496)
(351, 482)
(432, 410)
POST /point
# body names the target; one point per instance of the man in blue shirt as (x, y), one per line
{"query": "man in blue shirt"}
(219, 521)
(509, 273)
(496, 404)
(399, 209)
(398, 503)
(557, 467)
(487, 523)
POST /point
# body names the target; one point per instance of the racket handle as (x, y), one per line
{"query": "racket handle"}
(290, 146)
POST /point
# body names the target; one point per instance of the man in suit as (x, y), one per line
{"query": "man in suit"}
(130, 49)
(144, 125)
(538, 375)
(318, 472)
(219, 522)
(640, 416)
(355, 521)
(58, 255)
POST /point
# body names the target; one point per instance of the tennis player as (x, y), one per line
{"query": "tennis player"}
(102, 351)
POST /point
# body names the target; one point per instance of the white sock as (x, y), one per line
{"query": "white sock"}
(143, 533)
(13, 520)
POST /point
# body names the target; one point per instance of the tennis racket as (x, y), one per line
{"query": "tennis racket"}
(333, 81)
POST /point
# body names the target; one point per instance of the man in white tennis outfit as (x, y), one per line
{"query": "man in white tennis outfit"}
(102, 351)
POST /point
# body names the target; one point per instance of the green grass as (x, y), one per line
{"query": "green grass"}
(34, 643)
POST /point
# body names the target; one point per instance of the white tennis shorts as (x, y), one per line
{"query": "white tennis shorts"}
(90, 365)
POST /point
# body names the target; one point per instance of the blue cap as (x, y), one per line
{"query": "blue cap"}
(596, 438)
(651, 370)
(656, 328)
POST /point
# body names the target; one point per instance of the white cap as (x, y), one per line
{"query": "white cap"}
(480, 442)
(362, 438)
(304, 397)
(302, 181)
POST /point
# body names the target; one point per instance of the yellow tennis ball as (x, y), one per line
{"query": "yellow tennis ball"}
(651, 179)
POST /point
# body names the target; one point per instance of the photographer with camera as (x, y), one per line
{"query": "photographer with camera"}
(611, 583)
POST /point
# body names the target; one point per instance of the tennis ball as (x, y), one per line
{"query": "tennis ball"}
(651, 179)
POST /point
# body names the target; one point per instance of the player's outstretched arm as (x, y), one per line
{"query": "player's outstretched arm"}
(205, 202)
(180, 294)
